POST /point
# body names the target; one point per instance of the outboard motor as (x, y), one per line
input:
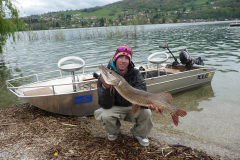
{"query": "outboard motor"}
(185, 58)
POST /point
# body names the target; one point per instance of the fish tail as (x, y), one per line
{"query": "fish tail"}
(178, 113)
(181, 113)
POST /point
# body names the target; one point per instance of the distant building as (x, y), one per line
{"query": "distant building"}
(93, 17)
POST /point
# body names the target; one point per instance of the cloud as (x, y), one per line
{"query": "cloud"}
(33, 7)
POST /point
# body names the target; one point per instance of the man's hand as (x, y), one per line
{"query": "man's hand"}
(151, 107)
(104, 83)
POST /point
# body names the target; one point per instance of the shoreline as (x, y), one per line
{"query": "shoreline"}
(27, 132)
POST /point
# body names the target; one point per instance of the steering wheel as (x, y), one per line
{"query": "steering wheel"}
(71, 67)
(158, 60)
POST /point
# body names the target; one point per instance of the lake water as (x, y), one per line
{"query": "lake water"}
(213, 109)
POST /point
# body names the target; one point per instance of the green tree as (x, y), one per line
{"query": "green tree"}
(178, 14)
(9, 21)
(184, 9)
(101, 22)
(163, 20)
(193, 8)
(174, 20)
(57, 24)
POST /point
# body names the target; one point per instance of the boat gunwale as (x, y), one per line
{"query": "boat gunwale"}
(173, 79)
(27, 85)
(48, 72)
(46, 95)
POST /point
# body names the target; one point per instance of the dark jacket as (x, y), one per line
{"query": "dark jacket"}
(133, 77)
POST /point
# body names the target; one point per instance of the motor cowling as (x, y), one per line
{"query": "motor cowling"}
(186, 59)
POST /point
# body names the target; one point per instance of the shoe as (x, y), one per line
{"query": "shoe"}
(112, 137)
(142, 140)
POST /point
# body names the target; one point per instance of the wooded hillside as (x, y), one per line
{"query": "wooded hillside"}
(133, 12)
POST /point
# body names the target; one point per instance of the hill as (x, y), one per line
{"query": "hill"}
(129, 12)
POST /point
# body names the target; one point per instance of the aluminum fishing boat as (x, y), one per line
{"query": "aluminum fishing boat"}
(76, 94)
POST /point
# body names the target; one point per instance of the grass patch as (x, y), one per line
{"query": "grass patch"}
(199, 2)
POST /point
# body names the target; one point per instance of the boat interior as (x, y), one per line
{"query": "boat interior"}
(150, 70)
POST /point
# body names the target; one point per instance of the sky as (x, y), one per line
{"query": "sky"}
(33, 7)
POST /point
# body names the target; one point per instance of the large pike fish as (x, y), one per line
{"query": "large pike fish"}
(139, 97)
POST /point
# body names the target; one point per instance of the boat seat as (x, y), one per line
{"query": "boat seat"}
(40, 91)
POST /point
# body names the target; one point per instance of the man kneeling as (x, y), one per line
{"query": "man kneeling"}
(114, 107)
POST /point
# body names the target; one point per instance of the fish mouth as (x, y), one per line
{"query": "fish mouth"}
(104, 74)
(108, 75)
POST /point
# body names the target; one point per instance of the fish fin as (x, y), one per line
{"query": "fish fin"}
(135, 108)
(112, 90)
(178, 113)
(167, 96)
(160, 111)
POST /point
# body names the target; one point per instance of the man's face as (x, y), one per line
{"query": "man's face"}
(122, 63)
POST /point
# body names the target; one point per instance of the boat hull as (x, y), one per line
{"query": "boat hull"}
(174, 83)
(76, 104)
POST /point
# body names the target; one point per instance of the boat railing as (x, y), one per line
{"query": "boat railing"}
(37, 77)
(41, 86)
(84, 83)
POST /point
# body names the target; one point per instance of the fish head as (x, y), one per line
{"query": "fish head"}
(109, 76)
